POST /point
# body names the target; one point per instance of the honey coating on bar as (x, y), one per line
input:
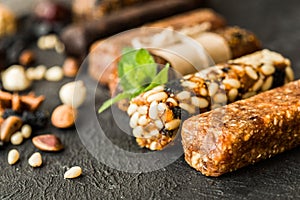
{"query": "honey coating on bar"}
(243, 132)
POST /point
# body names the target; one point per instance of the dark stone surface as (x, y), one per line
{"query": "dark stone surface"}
(276, 22)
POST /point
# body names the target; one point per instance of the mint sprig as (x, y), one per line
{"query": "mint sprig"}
(137, 71)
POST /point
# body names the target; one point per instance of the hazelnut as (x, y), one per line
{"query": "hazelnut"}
(70, 67)
(63, 116)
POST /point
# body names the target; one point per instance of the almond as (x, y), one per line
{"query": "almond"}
(48, 142)
(9, 126)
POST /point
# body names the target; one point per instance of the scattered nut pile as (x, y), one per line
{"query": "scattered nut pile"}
(20, 116)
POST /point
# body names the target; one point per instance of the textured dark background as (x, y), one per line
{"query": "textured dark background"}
(277, 24)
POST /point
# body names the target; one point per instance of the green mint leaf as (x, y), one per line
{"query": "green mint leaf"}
(160, 79)
(137, 71)
(143, 57)
(127, 61)
(136, 68)
(110, 102)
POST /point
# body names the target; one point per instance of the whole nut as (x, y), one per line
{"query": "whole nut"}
(73, 172)
(63, 116)
(10, 126)
(1, 120)
(54, 74)
(27, 57)
(15, 79)
(48, 142)
(37, 73)
(40, 72)
(26, 131)
(13, 156)
(73, 93)
(35, 160)
(70, 67)
(16, 138)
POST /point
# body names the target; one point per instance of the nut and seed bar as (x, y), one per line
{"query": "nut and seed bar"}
(156, 115)
(243, 132)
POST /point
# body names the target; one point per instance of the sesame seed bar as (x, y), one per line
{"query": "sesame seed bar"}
(156, 115)
(243, 132)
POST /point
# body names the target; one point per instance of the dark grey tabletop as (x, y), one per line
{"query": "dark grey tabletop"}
(277, 24)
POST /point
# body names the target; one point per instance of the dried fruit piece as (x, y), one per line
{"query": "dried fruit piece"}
(13, 156)
(35, 160)
(16, 102)
(48, 142)
(73, 172)
(37, 119)
(63, 116)
(10, 126)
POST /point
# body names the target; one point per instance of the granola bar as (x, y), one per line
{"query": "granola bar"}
(243, 132)
(155, 116)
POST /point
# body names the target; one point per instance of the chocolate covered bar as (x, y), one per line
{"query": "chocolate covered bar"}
(84, 10)
(244, 132)
(78, 37)
(155, 116)
(102, 57)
